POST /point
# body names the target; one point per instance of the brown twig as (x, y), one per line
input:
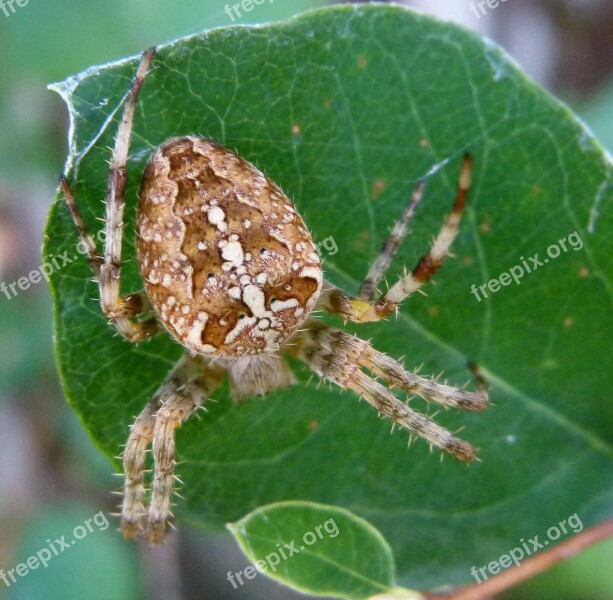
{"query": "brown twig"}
(529, 568)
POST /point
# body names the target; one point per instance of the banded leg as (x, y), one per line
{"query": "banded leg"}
(186, 380)
(107, 270)
(133, 511)
(390, 247)
(193, 381)
(138, 302)
(339, 358)
(360, 309)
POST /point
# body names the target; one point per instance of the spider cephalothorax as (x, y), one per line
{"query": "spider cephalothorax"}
(231, 271)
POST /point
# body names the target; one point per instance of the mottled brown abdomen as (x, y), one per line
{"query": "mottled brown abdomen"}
(227, 261)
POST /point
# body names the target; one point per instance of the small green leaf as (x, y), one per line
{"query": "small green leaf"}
(318, 549)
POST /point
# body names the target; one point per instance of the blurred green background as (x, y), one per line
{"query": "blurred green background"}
(52, 477)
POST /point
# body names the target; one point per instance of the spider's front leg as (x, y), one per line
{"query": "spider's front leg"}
(182, 393)
(132, 305)
(340, 357)
(361, 309)
(121, 310)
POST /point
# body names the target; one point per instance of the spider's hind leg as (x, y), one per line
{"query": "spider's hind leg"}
(133, 511)
(340, 357)
(182, 393)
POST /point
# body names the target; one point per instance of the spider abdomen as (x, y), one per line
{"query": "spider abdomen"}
(227, 261)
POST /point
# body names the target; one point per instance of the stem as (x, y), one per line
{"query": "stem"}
(530, 567)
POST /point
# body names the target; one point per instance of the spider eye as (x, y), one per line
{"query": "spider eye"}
(273, 299)
(242, 316)
(211, 276)
(262, 251)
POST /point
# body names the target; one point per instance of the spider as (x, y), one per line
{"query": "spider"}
(231, 272)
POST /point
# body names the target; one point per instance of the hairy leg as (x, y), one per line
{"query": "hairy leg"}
(390, 247)
(361, 309)
(134, 304)
(197, 381)
(107, 269)
(340, 357)
(183, 392)
(133, 511)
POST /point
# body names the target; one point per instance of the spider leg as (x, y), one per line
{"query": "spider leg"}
(361, 309)
(395, 375)
(390, 247)
(193, 381)
(133, 511)
(339, 358)
(107, 269)
(91, 250)
(184, 390)
(134, 304)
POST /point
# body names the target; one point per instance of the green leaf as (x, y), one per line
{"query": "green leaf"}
(346, 108)
(314, 548)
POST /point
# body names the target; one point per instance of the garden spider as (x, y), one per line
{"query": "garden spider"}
(231, 271)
